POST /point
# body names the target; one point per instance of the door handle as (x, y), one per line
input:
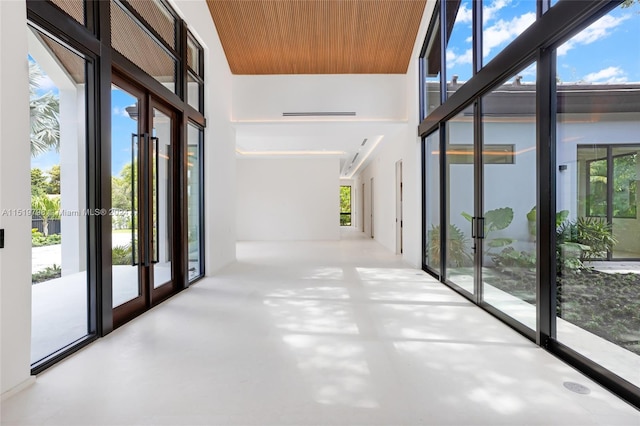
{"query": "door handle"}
(145, 202)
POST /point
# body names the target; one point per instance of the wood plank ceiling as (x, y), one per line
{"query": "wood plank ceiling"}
(317, 36)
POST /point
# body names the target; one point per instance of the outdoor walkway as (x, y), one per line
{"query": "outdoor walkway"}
(322, 333)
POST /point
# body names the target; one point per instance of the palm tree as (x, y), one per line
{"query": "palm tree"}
(47, 207)
(44, 109)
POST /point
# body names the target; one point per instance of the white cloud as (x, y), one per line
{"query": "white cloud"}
(121, 112)
(504, 31)
(598, 30)
(606, 75)
(464, 16)
(489, 12)
(454, 59)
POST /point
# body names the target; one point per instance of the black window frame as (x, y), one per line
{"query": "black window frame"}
(93, 40)
(553, 26)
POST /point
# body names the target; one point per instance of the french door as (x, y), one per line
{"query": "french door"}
(143, 156)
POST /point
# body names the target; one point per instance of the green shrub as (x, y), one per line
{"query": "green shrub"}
(48, 273)
(122, 255)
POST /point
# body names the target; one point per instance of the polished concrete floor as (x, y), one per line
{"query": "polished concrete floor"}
(314, 333)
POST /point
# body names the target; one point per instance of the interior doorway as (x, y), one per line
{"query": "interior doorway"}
(371, 208)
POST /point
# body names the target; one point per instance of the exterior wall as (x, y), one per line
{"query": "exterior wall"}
(219, 145)
(15, 258)
(288, 199)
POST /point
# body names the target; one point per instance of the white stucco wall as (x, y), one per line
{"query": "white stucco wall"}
(15, 258)
(288, 199)
(219, 149)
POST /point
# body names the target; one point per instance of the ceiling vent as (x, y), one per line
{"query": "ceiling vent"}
(320, 114)
(355, 157)
(363, 142)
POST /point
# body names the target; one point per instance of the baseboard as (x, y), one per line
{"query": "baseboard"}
(19, 387)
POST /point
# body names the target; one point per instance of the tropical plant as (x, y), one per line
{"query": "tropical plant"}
(47, 207)
(561, 216)
(495, 220)
(457, 247)
(48, 273)
(44, 109)
(122, 255)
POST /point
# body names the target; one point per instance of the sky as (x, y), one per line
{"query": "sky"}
(613, 39)
(121, 126)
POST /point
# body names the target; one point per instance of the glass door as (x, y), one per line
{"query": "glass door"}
(459, 235)
(142, 134)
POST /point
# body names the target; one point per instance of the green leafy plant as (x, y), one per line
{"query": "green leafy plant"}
(457, 247)
(511, 258)
(561, 216)
(585, 238)
(48, 273)
(495, 220)
(38, 239)
(122, 255)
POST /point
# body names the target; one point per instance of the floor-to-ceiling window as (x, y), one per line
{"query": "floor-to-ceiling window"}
(540, 182)
(117, 165)
(597, 146)
(431, 197)
(509, 197)
(58, 91)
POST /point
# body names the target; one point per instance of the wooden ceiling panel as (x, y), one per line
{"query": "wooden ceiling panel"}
(317, 36)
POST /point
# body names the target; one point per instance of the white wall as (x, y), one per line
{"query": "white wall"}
(219, 149)
(370, 96)
(15, 258)
(288, 199)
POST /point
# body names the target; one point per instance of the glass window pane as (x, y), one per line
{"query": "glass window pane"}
(129, 39)
(598, 140)
(194, 90)
(125, 154)
(345, 205)
(502, 22)
(195, 202)
(432, 200)
(58, 196)
(432, 68)
(459, 45)
(509, 194)
(460, 202)
(193, 55)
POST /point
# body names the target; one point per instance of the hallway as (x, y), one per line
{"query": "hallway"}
(323, 333)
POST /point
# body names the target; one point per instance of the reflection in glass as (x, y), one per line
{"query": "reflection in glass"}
(509, 194)
(432, 68)
(460, 196)
(432, 200)
(125, 147)
(57, 93)
(195, 203)
(161, 223)
(598, 139)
